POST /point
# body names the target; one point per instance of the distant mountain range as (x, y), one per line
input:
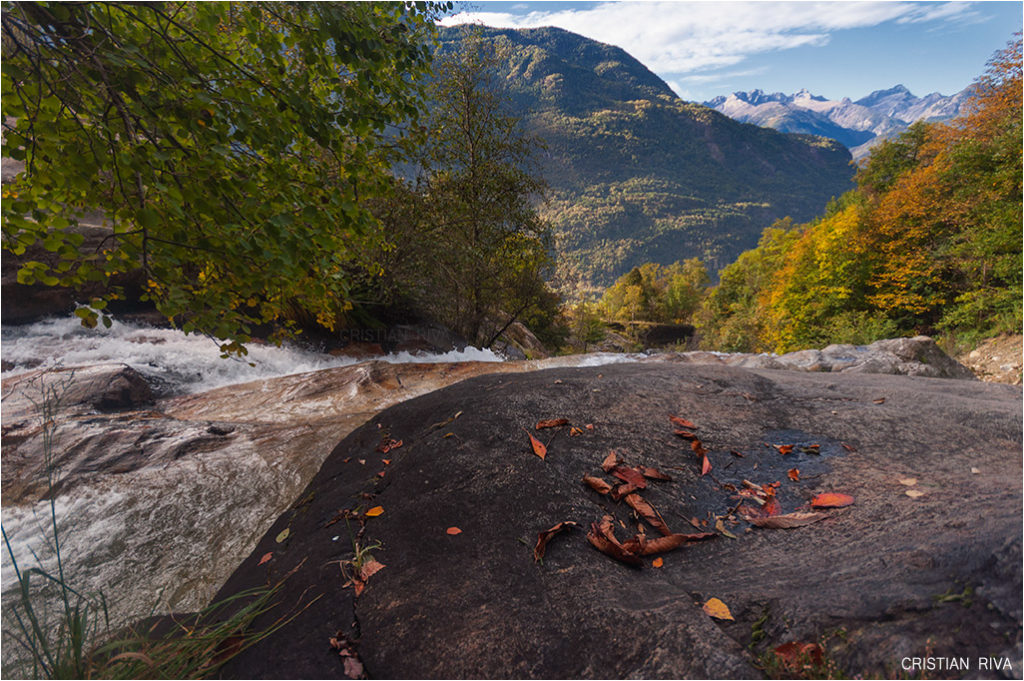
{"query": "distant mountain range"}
(638, 175)
(857, 125)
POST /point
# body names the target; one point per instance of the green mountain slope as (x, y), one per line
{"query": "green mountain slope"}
(637, 174)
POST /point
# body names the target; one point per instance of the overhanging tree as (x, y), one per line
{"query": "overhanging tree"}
(230, 145)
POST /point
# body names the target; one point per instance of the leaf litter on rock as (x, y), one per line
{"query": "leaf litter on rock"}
(538, 447)
(714, 607)
(831, 500)
(544, 537)
(551, 423)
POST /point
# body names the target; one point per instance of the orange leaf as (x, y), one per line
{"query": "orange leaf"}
(266, 556)
(574, 431)
(784, 449)
(657, 562)
(681, 422)
(794, 474)
(375, 511)
(705, 465)
(831, 500)
(538, 447)
(597, 484)
(453, 530)
(686, 435)
(771, 507)
(386, 462)
(387, 446)
(552, 423)
(717, 609)
(610, 462)
(544, 537)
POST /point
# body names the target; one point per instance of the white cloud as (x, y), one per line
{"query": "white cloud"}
(684, 37)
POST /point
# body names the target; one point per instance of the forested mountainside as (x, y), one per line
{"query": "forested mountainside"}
(635, 173)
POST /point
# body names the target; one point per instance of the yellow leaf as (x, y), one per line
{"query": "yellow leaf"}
(375, 511)
(284, 535)
(914, 494)
(717, 609)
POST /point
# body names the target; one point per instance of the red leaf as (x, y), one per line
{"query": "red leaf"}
(831, 500)
(610, 462)
(653, 518)
(630, 475)
(705, 465)
(552, 423)
(771, 507)
(538, 447)
(686, 435)
(698, 447)
(453, 531)
(681, 422)
(544, 537)
(794, 474)
(266, 556)
(784, 449)
(597, 484)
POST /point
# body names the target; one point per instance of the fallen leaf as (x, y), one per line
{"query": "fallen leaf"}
(453, 530)
(623, 490)
(811, 449)
(831, 500)
(375, 511)
(597, 484)
(610, 462)
(975, 471)
(686, 434)
(796, 654)
(386, 462)
(735, 453)
(630, 475)
(672, 541)
(266, 556)
(654, 474)
(880, 400)
(720, 526)
(657, 562)
(717, 609)
(538, 447)
(388, 445)
(283, 535)
(771, 506)
(909, 482)
(370, 568)
(599, 538)
(589, 426)
(784, 449)
(353, 668)
(784, 522)
(381, 474)
(362, 462)
(653, 518)
(794, 474)
(914, 494)
(681, 422)
(544, 537)
(847, 447)
(552, 423)
(574, 431)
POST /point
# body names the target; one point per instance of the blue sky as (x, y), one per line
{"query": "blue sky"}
(834, 49)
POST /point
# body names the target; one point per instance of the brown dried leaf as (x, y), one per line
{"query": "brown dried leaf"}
(599, 539)
(784, 449)
(795, 654)
(622, 490)
(552, 423)
(574, 431)
(735, 453)
(653, 518)
(794, 474)
(630, 475)
(672, 541)
(654, 474)
(686, 434)
(544, 537)
(538, 447)
(771, 506)
(784, 522)
(353, 667)
(681, 422)
(370, 568)
(387, 445)
(610, 462)
(597, 484)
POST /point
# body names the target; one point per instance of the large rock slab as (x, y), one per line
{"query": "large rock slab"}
(891, 576)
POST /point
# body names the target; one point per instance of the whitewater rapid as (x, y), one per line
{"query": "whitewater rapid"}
(182, 363)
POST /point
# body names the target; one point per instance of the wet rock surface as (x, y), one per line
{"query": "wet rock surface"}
(933, 573)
